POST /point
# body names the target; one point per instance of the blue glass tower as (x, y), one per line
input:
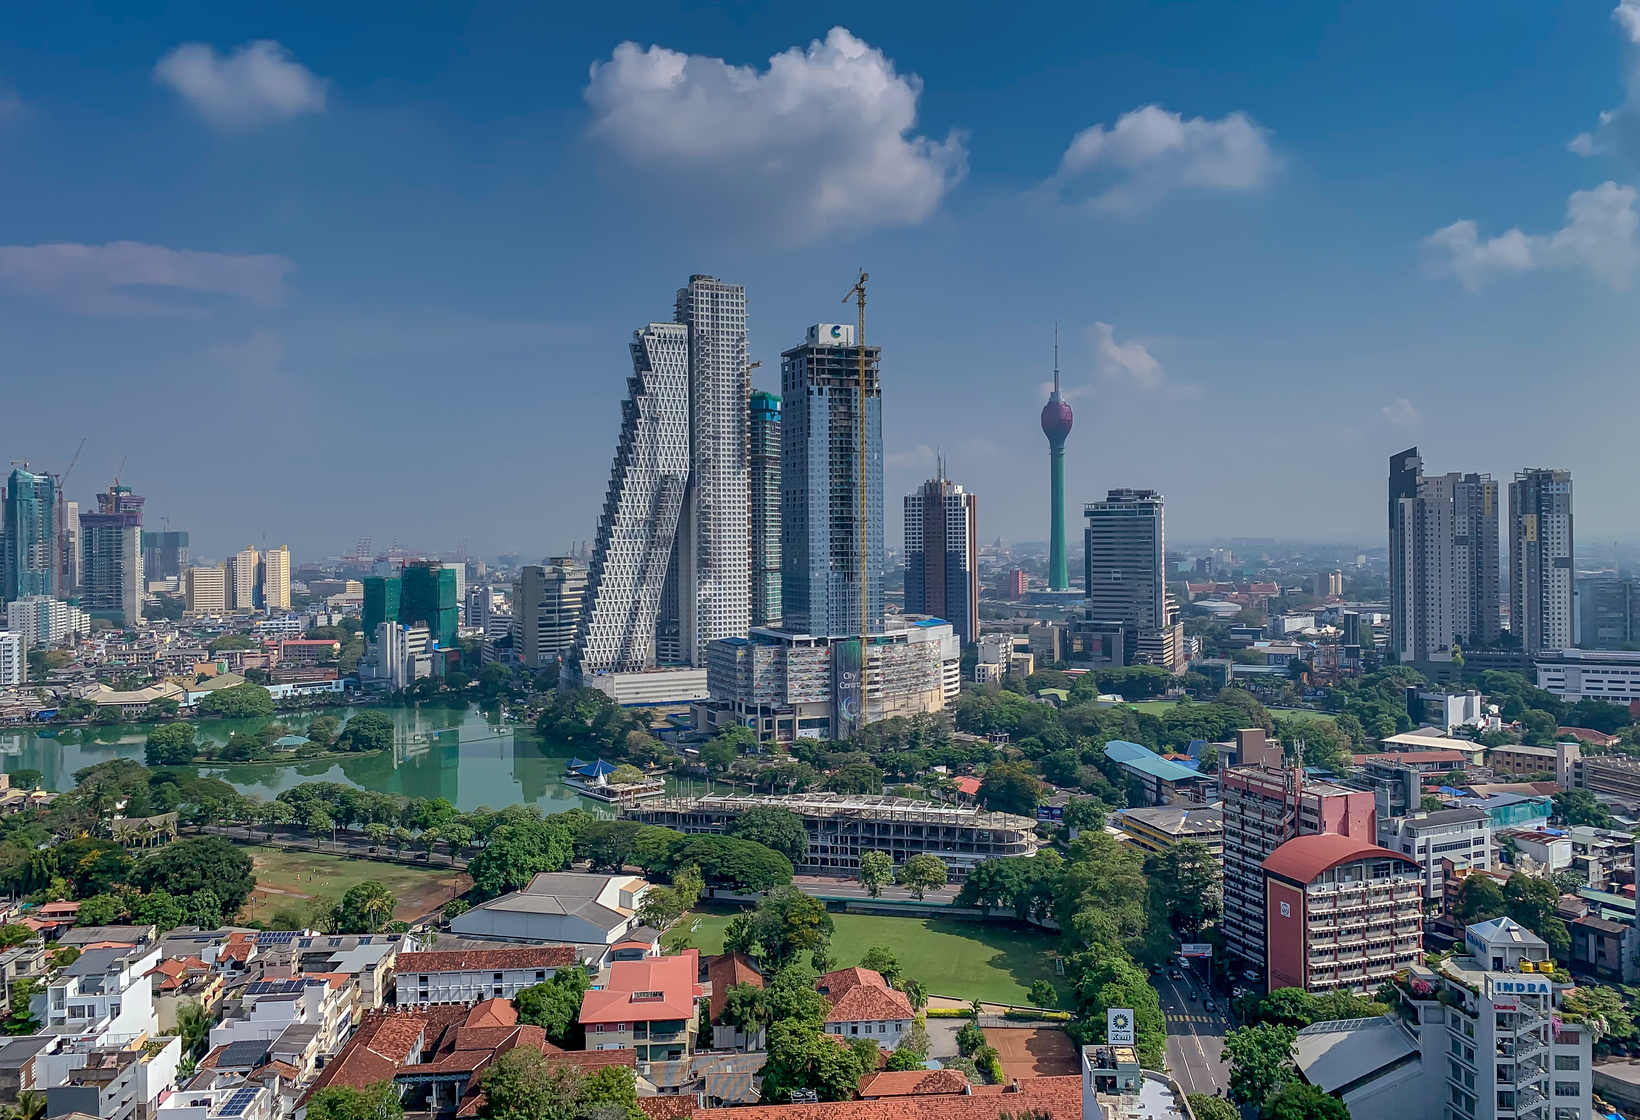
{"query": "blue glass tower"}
(32, 555)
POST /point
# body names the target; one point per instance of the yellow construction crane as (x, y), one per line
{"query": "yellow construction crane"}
(858, 294)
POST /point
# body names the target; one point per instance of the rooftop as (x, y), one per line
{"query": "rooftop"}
(1333, 1055)
(847, 805)
(645, 990)
(1302, 858)
(478, 960)
(1177, 821)
(859, 995)
(1147, 761)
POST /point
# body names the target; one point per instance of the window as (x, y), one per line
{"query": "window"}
(540, 974)
(1566, 1114)
(1506, 1098)
(1568, 1089)
(854, 1028)
(1568, 1061)
(497, 976)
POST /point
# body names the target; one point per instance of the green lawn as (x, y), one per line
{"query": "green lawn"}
(1161, 707)
(992, 961)
(299, 880)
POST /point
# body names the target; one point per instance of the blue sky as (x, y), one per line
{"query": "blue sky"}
(316, 271)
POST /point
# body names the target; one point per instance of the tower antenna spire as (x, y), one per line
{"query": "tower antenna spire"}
(1056, 361)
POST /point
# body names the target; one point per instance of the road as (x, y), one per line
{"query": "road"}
(1195, 1038)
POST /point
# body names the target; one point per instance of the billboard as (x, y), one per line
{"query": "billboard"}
(1193, 949)
(831, 334)
(1119, 1026)
(848, 697)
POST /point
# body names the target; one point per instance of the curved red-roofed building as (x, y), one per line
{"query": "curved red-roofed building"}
(1340, 912)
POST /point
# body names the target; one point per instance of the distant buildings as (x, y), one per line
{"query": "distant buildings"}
(765, 498)
(1443, 555)
(1608, 612)
(44, 621)
(547, 604)
(1125, 557)
(13, 658)
(29, 561)
(244, 588)
(164, 554)
(111, 583)
(427, 596)
(205, 590)
(276, 579)
(1541, 559)
(942, 555)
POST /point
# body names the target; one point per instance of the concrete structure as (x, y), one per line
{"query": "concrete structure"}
(427, 597)
(1463, 836)
(13, 658)
(164, 554)
(1124, 561)
(764, 435)
(821, 530)
(677, 685)
(369, 958)
(205, 590)
(245, 580)
(1541, 565)
(864, 1006)
(276, 579)
(1375, 1066)
(44, 621)
(111, 582)
(560, 908)
(1443, 545)
(1165, 782)
(1341, 913)
(1582, 674)
(107, 1080)
(1056, 425)
(841, 826)
(639, 523)
(1156, 830)
(471, 975)
(265, 1009)
(1607, 612)
(942, 554)
(29, 561)
(785, 684)
(105, 994)
(648, 1006)
(1264, 807)
(547, 605)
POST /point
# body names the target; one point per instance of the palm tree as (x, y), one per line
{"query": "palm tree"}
(194, 1025)
(375, 904)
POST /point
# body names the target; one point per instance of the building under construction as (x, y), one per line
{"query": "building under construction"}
(841, 826)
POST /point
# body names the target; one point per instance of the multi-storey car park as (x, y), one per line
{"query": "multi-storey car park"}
(841, 826)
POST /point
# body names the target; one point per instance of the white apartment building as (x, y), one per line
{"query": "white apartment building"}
(276, 578)
(1579, 674)
(44, 621)
(1542, 610)
(220, 1096)
(472, 975)
(267, 1007)
(242, 579)
(13, 658)
(205, 590)
(1463, 836)
(113, 1082)
(105, 995)
(1443, 545)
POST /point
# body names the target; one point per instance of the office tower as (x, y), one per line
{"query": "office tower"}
(547, 603)
(428, 598)
(1443, 554)
(68, 537)
(460, 570)
(164, 555)
(765, 490)
(711, 565)
(381, 601)
(1056, 425)
(942, 554)
(640, 517)
(1329, 585)
(1124, 546)
(45, 621)
(1540, 559)
(820, 526)
(244, 580)
(276, 578)
(111, 583)
(30, 535)
(13, 659)
(1608, 612)
(205, 590)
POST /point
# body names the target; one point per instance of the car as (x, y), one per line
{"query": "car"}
(1176, 974)
(1208, 1005)
(1190, 994)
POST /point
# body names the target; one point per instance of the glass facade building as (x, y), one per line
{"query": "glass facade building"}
(765, 463)
(31, 559)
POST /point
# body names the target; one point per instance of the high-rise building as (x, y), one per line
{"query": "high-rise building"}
(276, 578)
(1056, 425)
(428, 598)
(641, 508)
(381, 601)
(45, 621)
(245, 580)
(13, 658)
(205, 590)
(821, 526)
(765, 491)
(711, 563)
(1443, 551)
(111, 583)
(1608, 612)
(547, 605)
(942, 554)
(31, 562)
(68, 537)
(460, 570)
(164, 554)
(1540, 559)
(1124, 549)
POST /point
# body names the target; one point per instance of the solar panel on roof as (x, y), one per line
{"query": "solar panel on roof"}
(276, 937)
(274, 987)
(240, 1101)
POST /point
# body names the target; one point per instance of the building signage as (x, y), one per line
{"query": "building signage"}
(1193, 949)
(1119, 1026)
(831, 334)
(847, 676)
(1498, 985)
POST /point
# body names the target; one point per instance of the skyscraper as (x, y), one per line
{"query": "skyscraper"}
(205, 590)
(276, 578)
(1056, 425)
(820, 528)
(765, 490)
(381, 601)
(1608, 612)
(1125, 550)
(547, 602)
(30, 536)
(244, 580)
(428, 598)
(640, 518)
(1541, 569)
(1443, 558)
(111, 582)
(164, 554)
(942, 554)
(69, 537)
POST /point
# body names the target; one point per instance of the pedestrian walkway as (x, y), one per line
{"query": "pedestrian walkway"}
(1194, 1019)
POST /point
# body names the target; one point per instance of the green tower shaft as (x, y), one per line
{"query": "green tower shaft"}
(1058, 577)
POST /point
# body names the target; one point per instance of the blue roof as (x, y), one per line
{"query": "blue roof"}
(596, 769)
(1147, 761)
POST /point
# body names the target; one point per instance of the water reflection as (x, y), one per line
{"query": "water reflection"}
(469, 757)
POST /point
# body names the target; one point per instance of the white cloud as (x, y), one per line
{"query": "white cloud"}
(1619, 128)
(253, 365)
(257, 84)
(1402, 414)
(112, 279)
(1150, 153)
(817, 142)
(1598, 235)
(1124, 360)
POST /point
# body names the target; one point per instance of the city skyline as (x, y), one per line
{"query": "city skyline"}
(1344, 284)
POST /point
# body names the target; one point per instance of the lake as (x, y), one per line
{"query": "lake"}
(469, 758)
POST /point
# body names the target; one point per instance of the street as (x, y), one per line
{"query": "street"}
(1195, 1038)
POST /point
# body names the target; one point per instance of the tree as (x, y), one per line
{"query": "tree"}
(161, 909)
(876, 872)
(881, 960)
(922, 872)
(21, 1020)
(1480, 899)
(365, 908)
(1010, 787)
(1106, 979)
(13, 934)
(718, 755)
(1212, 1108)
(785, 923)
(241, 701)
(747, 1006)
(206, 863)
(800, 1057)
(377, 1101)
(516, 851)
(369, 730)
(1187, 884)
(554, 1006)
(1043, 994)
(1298, 1101)
(523, 1085)
(1532, 903)
(725, 861)
(970, 1039)
(98, 910)
(1576, 807)
(322, 730)
(1260, 1059)
(859, 777)
(1602, 1007)
(193, 1025)
(170, 744)
(204, 910)
(773, 827)
(914, 1045)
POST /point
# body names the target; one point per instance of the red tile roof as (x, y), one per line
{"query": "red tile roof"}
(667, 985)
(1589, 735)
(1060, 1098)
(859, 995)
(384, 1041)
(1302, 858)
(477, 960)
(913, 1082)
(492, 1013)
(969, 786)
(725, 971)
(668, 1107)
